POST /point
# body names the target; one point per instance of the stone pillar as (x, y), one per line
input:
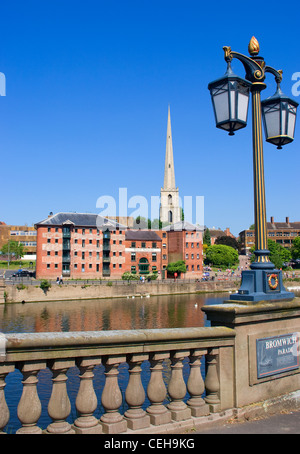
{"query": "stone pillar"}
(30, 408)
(157, 391)
(59, 406)
(4, 411)
(112, 421)
(177, 388)
(86, 400)
(195, 385)
(253, 324)
(135, 416)
(212, 383)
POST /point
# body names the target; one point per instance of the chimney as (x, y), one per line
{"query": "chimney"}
(287, 220)
(272, 220)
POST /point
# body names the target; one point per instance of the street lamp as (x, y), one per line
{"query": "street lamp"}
(230, 96)
(279, 115)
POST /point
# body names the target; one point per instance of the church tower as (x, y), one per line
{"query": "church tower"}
(169, 195)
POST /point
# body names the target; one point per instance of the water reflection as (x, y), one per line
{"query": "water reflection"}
(168, 311)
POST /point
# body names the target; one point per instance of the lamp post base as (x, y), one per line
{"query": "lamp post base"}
(262, 285)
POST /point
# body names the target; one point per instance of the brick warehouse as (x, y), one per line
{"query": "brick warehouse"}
(80, 245)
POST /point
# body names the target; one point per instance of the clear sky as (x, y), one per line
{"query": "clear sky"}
(88, 85)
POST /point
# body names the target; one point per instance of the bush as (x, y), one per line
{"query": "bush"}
(127, 276)
(177, 267)
(45, 285)
(153, 276)
(221, 255)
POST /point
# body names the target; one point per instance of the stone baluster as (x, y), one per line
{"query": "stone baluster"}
(86, 400)
(157, 391)
(135, 416)
(195, 385)
(112, 421)
(30, 408)
(4, 411)
(177, 388)
(59, 406)
(212, 384)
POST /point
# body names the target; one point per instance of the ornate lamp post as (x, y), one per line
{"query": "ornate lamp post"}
(230, 96)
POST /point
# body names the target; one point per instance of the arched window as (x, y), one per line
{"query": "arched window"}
(144, 266)
(170, 199)
(170, 216)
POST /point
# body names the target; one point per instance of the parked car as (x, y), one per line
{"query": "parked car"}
(24, 273)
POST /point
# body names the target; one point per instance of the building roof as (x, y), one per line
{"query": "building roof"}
(182, 225)
(283, 225)
(216, 232)
(81, 220)
(278, 226)
(141, 235)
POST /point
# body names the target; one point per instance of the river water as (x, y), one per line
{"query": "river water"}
(167, 311)
(170, 311)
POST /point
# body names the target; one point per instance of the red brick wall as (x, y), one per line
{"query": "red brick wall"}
(49, 252)
(143, 252)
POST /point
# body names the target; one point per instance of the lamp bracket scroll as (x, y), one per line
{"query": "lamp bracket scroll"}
(255, 72)
(276, 73)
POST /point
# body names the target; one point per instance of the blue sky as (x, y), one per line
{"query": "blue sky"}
(88, 85)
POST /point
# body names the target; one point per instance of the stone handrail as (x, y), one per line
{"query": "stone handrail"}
(59, 352)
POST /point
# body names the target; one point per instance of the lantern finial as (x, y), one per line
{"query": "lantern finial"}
(253, 47)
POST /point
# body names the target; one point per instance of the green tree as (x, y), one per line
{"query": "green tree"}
(156, 224)
(206, 237)
(176, 267)
(278, 254)
(142, 223)
(228, 241)
(13, 248)
(295, 249)
(222, 255)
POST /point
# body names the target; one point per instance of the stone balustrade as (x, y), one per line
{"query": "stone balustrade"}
(172, 401)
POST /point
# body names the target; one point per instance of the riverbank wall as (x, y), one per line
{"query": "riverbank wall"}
(65, 292)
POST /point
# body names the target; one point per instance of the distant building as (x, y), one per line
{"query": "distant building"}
(23, 235)
(143, 252)
(79, 245)
(170, 211)
(128, 221)
(217, 233)
(185, 243)
(282, 233)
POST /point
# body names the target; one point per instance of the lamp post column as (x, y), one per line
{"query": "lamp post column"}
(261, 239)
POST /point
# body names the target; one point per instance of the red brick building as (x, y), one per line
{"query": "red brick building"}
(143, 252)
(185, 243)
(78, 245)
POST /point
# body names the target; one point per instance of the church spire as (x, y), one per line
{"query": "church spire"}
(169, 178)
(170, 212)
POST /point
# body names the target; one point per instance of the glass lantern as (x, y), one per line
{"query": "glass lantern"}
(230, 98)
(279, 116)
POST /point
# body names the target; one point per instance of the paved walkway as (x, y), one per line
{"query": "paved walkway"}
(282, 423)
